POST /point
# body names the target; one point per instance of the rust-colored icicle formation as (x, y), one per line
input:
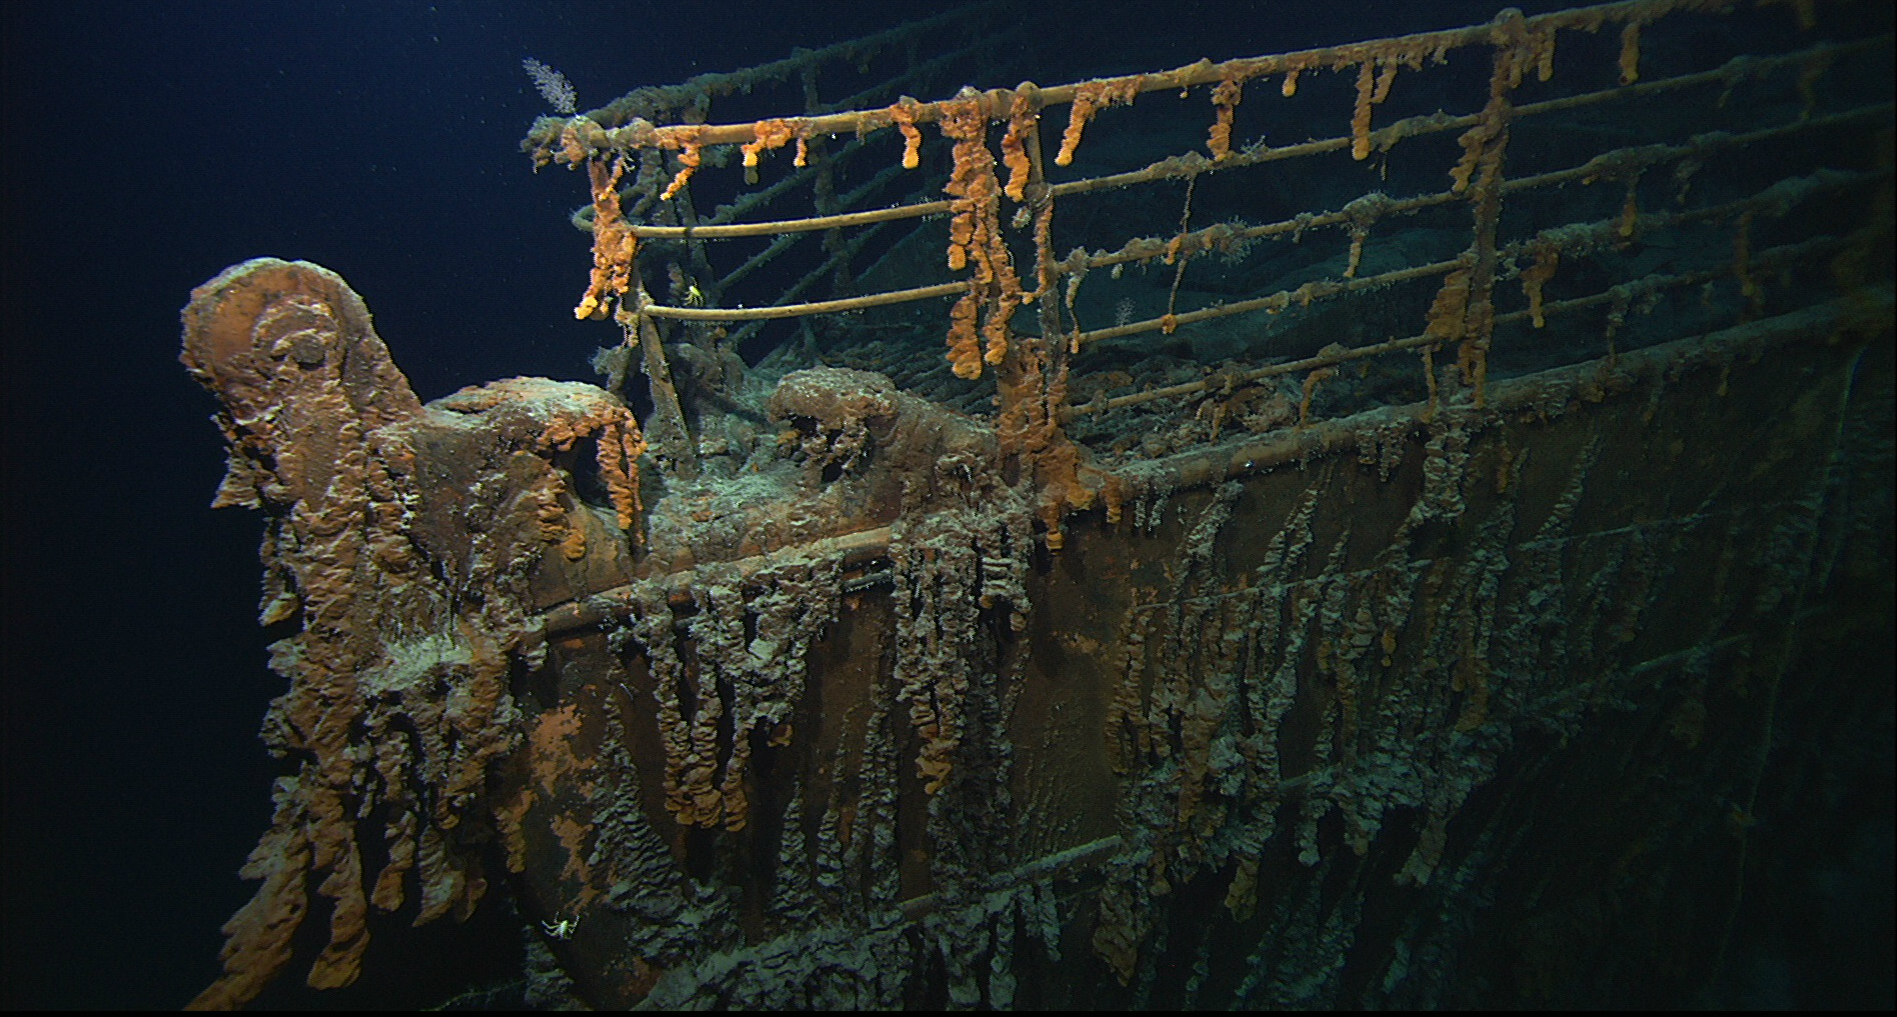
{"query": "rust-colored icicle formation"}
(399, 541)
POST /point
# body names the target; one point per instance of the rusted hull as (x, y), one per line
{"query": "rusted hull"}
(1423, 722)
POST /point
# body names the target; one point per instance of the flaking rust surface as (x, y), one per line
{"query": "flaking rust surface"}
(1271, 739)
(1464, 667)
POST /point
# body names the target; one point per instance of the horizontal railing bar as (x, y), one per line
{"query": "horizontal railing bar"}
(1217, 463)
(1203, 72)
(805, 225)
(1146, 248)
(799, 310)
(1802, 250)
(1303, 295)
(1193, 163)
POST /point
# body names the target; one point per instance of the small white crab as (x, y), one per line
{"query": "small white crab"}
(561, 929)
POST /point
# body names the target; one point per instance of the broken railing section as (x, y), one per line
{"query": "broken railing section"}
(401, 543)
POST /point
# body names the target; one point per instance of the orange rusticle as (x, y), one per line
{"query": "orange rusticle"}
(1044, 246)
(570, 147)
(320, 426)
(903, 114)
(1630, 52)
(1535, 276)
(1311, 382)
(1357, 236)
(1113, 492)
(1360, 119)
(573, 544)
(691, 152)
(1472, 356)
(616, 451)
(1385, 78)
(1226, 96)
(1089, 97)
(614, 245)
(580, 138)
(1629, 218)
(1473, 141)
(964, 344)
(553, 522)
(1447, 311)
(620, 446)
(768, 134)
(961, 237)
(1021, 119)
(408, 599)
(975, 240)
(1541, 46)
